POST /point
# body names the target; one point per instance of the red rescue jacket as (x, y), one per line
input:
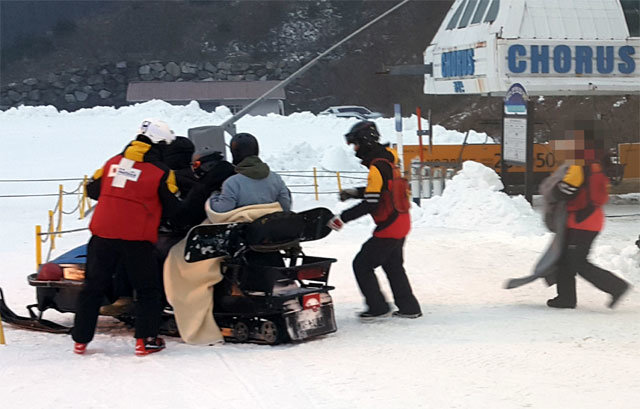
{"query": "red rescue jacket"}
(378, 198)
(129, 205)
(585, 209)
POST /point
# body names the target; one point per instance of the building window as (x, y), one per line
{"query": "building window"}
(468, 12)
(235, 108)
(482, 7)
(493, 12)
(456, 16)
(631, 9)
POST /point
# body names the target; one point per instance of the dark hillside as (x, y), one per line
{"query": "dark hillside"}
(256, 32)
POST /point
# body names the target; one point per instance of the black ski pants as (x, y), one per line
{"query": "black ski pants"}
(574, 260)
(387, 253)
(104, 256)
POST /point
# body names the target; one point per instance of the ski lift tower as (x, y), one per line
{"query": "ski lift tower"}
(569, 47)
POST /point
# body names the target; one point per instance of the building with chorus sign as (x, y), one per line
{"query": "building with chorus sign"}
(568, 47)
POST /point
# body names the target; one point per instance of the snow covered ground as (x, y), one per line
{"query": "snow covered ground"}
(477, 346)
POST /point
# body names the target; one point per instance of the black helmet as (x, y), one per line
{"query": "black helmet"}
(178, 154)
(363, 133)
(242, 146)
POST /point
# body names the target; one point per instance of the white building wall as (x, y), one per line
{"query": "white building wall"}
(584, 45)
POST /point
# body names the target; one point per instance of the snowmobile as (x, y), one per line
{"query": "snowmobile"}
(271, 291)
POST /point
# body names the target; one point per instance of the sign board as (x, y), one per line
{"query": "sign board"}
(211, 137)
(514, 131)
(515, 101)
(515, 139)
(629, 154)
(487, 154)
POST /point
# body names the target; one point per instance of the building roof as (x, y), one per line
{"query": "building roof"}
(538, 19)
(574, 19)
(201, 90)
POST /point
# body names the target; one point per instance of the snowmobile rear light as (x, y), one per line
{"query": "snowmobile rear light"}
(73, 272)
(311, 273)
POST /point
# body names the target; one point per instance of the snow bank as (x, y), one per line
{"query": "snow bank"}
(472, 200)
(624, 261)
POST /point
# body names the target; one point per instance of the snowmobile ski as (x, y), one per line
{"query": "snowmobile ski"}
(33, 322)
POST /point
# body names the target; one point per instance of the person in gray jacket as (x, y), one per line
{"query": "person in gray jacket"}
(253, 183)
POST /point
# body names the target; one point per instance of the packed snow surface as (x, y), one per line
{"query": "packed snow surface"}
(477, 345)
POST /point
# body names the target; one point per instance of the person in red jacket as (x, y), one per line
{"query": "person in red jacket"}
(385, 248)
(135, 189)
(585, 189)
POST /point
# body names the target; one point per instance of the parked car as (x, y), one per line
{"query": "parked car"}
(351, 111)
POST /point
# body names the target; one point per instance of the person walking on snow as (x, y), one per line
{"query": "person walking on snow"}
(385, 247)
(135, 189)
(584, 188)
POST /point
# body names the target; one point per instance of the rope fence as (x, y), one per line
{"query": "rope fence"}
(54, 229)
(83, 205)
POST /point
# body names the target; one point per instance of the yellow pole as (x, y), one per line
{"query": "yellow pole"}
(88, 199)
(1, 332)
(315, 182)
(59, 210)
(339, 183)
(52, 236)
(83, 196)
(38, 247)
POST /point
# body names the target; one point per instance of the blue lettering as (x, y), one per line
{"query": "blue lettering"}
(458, 87)
(540, 56)
(457, 63)
(471, 68)
(562, 59)
(443, 65)
(584, 59)
(628, 66)
(604, 61)
(515, 51)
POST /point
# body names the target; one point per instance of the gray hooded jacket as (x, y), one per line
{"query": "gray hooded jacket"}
(253, 184)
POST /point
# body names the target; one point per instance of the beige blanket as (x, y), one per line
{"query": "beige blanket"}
(189, 286)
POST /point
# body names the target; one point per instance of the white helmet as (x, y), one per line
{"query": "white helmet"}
(156, 130)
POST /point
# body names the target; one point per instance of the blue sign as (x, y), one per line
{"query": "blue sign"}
(458, 63)
(398, 117)
(564, 59)
(515, 101)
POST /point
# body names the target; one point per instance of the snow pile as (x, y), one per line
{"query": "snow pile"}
(472, 200)
(471, 326)
(624, 261)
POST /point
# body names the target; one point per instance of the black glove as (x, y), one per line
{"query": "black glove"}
(214, 178)
(349, 194)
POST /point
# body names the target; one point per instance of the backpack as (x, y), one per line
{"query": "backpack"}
(399, 189)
